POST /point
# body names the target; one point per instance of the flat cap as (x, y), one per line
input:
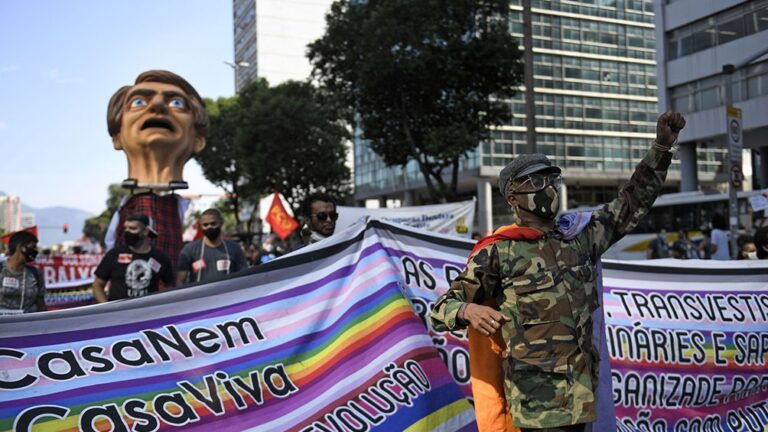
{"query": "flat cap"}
(523, 165)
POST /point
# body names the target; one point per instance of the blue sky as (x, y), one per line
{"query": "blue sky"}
(60, 61)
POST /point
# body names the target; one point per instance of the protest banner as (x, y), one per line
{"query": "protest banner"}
(427, 264)
(68, 279)
(321, 340)
(67, 270)
(688, 342)
(452, 218)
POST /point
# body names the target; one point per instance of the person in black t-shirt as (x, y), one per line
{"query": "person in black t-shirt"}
(133, 269)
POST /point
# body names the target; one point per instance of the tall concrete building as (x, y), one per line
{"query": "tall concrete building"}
(10, 213)
(272, 37)
(595, 94)
(697, 38)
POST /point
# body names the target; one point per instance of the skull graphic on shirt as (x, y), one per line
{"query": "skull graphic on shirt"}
(138, 275)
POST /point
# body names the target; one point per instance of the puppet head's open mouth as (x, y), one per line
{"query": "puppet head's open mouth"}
(157, 123)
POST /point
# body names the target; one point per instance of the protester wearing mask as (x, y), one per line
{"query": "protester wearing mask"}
(211, 257)
(538, 289)
(658, 247)
(747, 248)
(133, 269)
(684, 247)
(748, 251)
(21, 288)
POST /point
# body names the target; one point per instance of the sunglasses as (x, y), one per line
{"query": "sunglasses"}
(322, 216)
(539, 181)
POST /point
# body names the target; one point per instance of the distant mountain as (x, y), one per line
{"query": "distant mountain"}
(50, 222)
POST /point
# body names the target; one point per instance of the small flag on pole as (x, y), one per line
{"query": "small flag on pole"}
(281, 222)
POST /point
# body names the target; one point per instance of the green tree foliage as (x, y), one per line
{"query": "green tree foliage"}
(280, 138)
(299, 142)
(223, 158)
(426, 78)
(96, 227)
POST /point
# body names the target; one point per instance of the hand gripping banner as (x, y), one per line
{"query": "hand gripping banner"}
(321, 340)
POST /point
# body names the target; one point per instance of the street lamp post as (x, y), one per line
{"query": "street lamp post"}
(236, 66)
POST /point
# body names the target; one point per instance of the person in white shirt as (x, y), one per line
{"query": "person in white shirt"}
(719, 243)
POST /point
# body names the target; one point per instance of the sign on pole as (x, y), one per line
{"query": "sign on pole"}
(735, 143)
(736, 176)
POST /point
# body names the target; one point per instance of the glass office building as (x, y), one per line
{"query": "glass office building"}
(596, 106)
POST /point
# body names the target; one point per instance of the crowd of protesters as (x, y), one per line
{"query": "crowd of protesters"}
(714, 243)
(136, 267)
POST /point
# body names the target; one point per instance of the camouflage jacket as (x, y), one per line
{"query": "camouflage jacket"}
(549, 289)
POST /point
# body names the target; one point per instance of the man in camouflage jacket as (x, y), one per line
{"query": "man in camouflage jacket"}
(546, 287)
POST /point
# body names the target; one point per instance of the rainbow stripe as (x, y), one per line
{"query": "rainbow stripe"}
(683, 336)
(332, 318)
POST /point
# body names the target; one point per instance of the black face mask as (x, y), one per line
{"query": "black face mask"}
(29, 254)
(132, 239)
(212, 233)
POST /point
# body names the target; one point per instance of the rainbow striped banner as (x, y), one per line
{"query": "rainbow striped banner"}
(319, 340)
(332, 338)
(688, 342)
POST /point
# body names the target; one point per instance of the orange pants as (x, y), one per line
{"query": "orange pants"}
(485, 365)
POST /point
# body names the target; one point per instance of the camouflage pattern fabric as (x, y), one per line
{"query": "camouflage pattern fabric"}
(549, 289)
(544, 203)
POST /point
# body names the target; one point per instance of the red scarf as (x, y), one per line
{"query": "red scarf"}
(508, 232)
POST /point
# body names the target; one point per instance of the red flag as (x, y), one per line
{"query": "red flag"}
(198, 231)
(33, 230)
(281, 222)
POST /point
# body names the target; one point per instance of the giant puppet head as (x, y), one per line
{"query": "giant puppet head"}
(159, 122)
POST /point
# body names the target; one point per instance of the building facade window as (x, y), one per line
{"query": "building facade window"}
(595, 83)
(748, 83)
(727, 26)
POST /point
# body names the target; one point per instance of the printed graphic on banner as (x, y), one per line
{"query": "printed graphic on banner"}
(69, 270)
(315, 341)
(452, 218)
